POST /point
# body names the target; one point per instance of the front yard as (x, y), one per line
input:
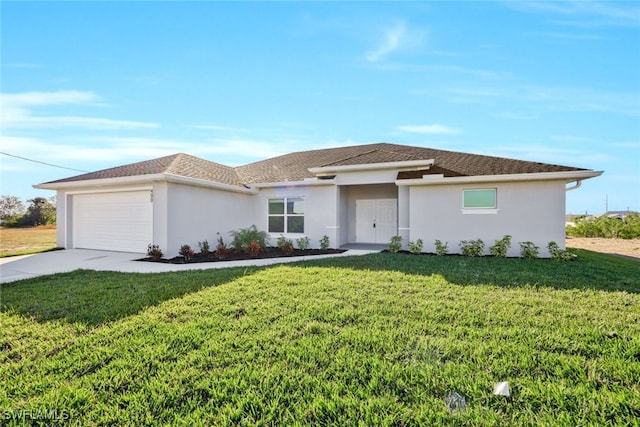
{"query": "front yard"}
(381, 339)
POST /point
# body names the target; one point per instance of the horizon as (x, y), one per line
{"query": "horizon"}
(91, 85)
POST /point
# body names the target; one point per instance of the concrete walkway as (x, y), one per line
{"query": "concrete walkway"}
(27, 266)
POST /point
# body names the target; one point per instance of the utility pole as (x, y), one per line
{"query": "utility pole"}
(606, 203)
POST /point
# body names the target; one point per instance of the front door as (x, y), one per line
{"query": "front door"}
(376, 220)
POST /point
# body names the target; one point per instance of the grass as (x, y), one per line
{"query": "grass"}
(28, 240)
(375, 340)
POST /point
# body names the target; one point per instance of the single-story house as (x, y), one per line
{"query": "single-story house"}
(356, 194)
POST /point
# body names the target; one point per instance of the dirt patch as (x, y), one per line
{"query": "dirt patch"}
(625, 247)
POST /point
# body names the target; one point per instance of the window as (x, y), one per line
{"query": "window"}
(482, 198)
(286, 214)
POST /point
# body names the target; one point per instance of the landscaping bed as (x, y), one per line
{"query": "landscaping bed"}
(237, 256)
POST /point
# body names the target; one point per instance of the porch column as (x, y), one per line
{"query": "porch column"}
(403, 215)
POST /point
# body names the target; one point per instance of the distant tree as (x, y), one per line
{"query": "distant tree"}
(40, 211)
(11, 207)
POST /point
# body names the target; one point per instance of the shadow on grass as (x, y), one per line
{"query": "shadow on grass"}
(97, 297)
(591, 270)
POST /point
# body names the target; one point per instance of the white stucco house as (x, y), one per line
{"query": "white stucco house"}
(356, 194)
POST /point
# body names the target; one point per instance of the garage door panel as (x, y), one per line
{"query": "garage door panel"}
(121, 221)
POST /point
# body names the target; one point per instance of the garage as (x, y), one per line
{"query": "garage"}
(115, 221)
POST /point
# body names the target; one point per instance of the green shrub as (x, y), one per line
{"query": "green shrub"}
(243, 237)
(442, 248)
(501, 247)
(529, 250)
(204, 248)
(559, 254)
(285, 245)
(395, 244)
(472, 248)
(626, 228)
(303, 243)
(416, 247)
(324, 243)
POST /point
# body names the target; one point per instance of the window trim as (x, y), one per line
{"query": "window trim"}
(285, 215)
(480, 209)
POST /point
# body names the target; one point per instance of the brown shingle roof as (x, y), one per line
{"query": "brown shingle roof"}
(177, 164)
(295, 166)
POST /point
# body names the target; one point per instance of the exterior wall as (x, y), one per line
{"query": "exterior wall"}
(195, 214)
(321, 212)
(529, 211)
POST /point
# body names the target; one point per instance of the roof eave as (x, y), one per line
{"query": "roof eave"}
(137, 179)
(407, 165)
(305, 183)
(566, 176)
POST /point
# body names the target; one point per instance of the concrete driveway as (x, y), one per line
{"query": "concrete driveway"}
(27, 266)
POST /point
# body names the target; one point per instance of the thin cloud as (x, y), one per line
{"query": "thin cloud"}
(18, 112)
(434, 129)
(394, 38)
(585, 13)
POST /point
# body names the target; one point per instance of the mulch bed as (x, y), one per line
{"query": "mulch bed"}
(237, 256)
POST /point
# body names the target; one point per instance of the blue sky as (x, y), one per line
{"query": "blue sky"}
(92, 85)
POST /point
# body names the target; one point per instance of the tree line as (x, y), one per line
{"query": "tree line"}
(37, 211)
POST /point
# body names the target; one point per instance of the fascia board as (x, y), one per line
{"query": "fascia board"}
(400, 166)
(124, 180)
(294, 183)
(567, 176)
(137, 179)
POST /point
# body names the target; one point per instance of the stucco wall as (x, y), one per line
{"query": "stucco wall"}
(195, 214)
(531, 211)
(321, 212)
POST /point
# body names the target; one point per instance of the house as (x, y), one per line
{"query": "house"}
(356, 194)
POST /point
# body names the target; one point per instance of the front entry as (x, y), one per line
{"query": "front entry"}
(376, 220)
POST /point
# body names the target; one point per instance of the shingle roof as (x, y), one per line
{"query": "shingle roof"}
(295, 166)
(177, 164)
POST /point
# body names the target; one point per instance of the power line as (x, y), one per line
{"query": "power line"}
(42, 163)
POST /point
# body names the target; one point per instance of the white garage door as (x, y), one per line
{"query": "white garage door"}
(120, 221)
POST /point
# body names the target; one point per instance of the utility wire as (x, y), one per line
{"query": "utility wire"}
(42, 163)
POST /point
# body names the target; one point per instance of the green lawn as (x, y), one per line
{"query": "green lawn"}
(375, 340)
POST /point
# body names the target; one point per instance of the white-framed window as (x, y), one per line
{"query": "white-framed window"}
(479, 200)
(286, 215)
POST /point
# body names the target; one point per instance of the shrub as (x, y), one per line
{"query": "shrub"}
(626, 228)
(324, 243)
(416, 247)
(154, 251)
(442, 248)
(395, 244)
(303, 243)
(559, 254)
(243, 237)
(472, 248)
(501, 247)
(253, 248)
(186, 252)
(529, 250)
(222, 251)
(285, 245)
(204, 248)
